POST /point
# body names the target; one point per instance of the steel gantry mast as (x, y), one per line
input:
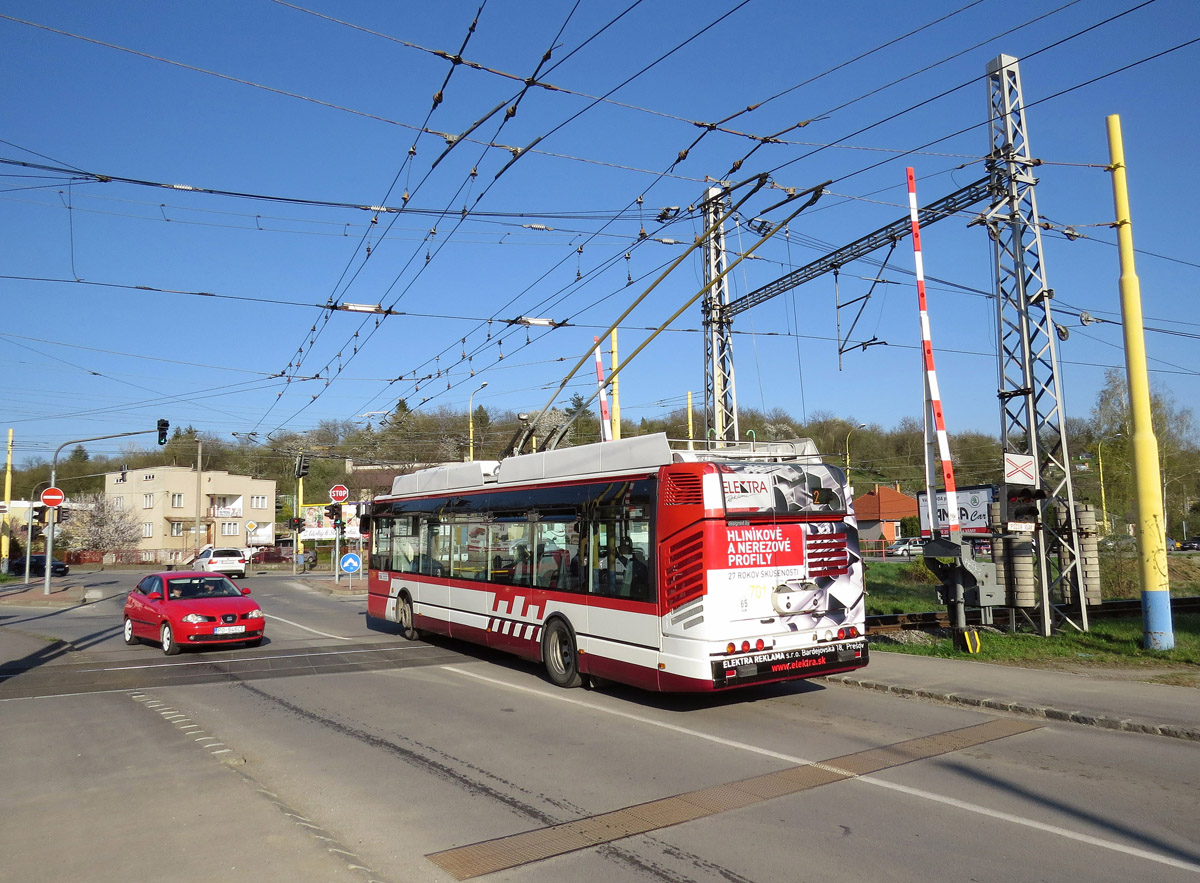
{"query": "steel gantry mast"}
(720, 395)
(1031, 402)
(1030, 393)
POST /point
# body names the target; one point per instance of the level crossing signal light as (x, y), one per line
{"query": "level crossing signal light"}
(1024, 504)
(302, 466)
(163, 426)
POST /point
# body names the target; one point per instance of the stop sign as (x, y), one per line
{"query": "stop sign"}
(339, 493)
(53, 496)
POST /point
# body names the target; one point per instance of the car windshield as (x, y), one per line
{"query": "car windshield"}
(192, 587)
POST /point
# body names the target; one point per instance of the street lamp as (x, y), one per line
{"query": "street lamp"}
(471, 421)
(849, 483)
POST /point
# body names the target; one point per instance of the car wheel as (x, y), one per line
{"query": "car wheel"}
(127, 631)
(558, 654)
(169, 647)
(404, 613)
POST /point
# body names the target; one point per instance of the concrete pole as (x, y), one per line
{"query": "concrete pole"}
(1158, 633)
(199, 497)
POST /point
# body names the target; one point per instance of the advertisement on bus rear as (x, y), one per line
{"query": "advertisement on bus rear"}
(794, 577)
(782, 488)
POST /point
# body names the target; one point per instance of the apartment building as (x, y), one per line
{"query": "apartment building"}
(170, 501)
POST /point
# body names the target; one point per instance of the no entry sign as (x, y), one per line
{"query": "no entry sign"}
(53, 496)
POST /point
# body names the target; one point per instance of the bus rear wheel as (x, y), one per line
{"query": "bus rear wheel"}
(559, 655)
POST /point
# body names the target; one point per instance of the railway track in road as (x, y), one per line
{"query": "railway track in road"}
(940, 619)
(95, 675)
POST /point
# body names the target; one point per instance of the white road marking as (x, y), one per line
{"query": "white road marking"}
(869, 780)
(306, 628)
(225, 661)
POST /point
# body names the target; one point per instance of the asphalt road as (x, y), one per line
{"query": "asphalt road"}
(334, 752)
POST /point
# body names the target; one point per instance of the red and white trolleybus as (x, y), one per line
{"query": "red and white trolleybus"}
(672, 570)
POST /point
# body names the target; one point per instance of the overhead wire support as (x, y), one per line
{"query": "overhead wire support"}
(720, 389)
(1031, 401)
(958, 201)
(813, 194)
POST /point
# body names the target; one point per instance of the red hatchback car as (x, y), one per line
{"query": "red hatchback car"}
(189, 609)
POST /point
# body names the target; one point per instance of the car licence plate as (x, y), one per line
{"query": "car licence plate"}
(229, 630)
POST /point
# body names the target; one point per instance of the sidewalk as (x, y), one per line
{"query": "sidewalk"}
(65, 591)
(1101, 698)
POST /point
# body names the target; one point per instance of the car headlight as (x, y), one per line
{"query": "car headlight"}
(197, 617)
(254, 614)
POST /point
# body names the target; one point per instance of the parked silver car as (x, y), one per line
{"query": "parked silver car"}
(906, 547)
(226, 560)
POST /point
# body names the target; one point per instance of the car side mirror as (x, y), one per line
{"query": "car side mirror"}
(245, 591)
(154, 596)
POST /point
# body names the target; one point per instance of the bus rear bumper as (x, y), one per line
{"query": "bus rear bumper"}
(807, 662)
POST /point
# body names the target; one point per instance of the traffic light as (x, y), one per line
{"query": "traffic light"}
(1023, 504)
(302, 466)
(295, 524)
(334, 512)
(163, 426)
(39, 514)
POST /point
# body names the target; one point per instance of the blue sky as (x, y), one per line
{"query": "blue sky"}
(211, 309)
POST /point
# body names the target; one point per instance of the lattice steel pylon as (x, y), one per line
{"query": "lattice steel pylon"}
(720, 391)
(1031, 402)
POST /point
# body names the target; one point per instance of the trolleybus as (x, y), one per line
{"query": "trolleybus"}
(631, 561)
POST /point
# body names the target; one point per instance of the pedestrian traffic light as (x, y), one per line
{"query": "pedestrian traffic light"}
(302, 466)
(163, 426)
(1023, 504)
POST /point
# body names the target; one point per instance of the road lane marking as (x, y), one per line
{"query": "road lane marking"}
(306, 628)
(868, 780)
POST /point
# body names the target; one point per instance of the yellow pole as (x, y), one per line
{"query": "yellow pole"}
(1158, 633)
(615, 413)
(691, 429)
(6, 527)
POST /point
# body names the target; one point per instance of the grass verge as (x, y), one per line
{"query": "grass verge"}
(1110, 644)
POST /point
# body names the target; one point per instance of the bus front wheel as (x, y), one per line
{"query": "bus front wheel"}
(559, 655)
(404, 613)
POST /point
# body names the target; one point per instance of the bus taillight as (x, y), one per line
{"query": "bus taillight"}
(759, 644)
(850, 632)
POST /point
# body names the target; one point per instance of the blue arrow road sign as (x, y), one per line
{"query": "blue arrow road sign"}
(351, 563)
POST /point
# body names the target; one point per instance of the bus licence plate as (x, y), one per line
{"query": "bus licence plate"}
(229, 630)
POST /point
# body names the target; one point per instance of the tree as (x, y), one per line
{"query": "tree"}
(98, 524)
